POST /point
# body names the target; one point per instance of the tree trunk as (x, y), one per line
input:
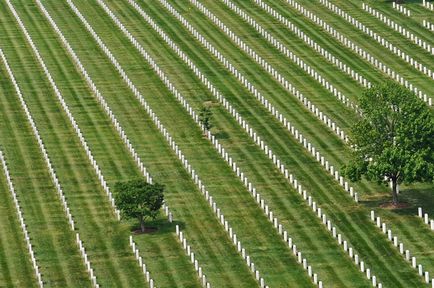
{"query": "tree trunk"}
(142, 224)
(394, 191)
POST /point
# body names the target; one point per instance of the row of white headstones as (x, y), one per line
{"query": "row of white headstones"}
(250, 187)
(365, 55)
(21, 219)
(401, 9)
(406, 33)
(383, 41)
(126, 141)
(428, 25)
(428, 5)
(425, 217)
(399, 245)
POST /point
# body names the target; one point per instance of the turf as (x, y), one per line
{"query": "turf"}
(106, 239)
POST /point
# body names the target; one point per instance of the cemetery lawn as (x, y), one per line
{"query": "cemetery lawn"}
(106, 239)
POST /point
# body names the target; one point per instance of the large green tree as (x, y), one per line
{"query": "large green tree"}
(139, 199)
(394, 139)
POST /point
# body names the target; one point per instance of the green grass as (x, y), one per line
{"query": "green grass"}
(106, 239)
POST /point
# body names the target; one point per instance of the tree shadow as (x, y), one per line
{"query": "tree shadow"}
(221, 135)
(158, 226)
(416, 195)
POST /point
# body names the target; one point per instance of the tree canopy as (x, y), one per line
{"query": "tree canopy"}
(139, 199)
(394, 139)
(205, 116)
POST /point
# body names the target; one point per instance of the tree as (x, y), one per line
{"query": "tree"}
(394, 139)
(205, 116)
(139, 199)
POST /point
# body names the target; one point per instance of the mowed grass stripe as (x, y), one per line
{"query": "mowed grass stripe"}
(368, 247)
(192, 140)
(212, 247)
(117, 165)
(53, 242)
(15, 265)
(300, 222)
(105, 239)
(361, 39)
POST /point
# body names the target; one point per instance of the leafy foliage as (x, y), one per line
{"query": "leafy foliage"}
(205, 116)
(394, 139)
(139, 199)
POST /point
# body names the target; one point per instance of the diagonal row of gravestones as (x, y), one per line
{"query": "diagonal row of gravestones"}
(283, 49)
(139, 259)
(401, 9)
(400, 246)
(257, 139)
(382, 40)
(47, 161)
(425, 217)
(406, 33)
(428, 5)
(428, 25)
(111, 115)
(86, 260)
(285, 84)
(22, 222)
(260, 201)
(314, 45)
(365, 55)
(187, 248)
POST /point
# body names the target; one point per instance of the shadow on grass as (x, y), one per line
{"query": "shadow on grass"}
(416, 195)
(157, 227)
(221, 135)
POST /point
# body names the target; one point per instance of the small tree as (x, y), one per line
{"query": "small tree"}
(394, 139)
(139, 199)
(205, 116)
